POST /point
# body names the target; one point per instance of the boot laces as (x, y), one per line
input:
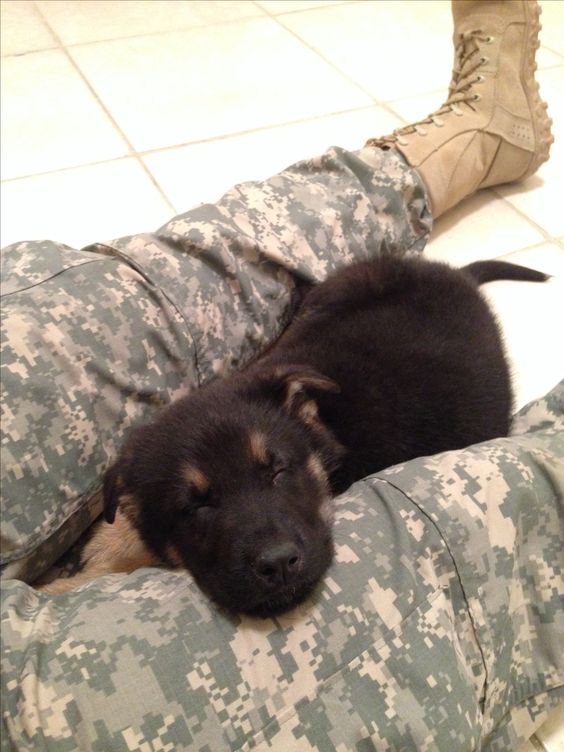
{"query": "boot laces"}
(468, 59)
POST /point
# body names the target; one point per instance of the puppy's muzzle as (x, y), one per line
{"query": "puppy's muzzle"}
(279, 563)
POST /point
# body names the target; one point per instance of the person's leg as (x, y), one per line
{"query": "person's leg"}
(94, 341)
(91, 349)
(493, 127)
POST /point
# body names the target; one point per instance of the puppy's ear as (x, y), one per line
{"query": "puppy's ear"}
(290, 384)
(113, 489)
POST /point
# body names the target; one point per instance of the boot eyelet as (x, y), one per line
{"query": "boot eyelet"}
(484, 60)
(421, 131)
(489, 40)
(480, 78)
(476, 98)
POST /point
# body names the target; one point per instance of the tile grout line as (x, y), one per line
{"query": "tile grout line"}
(261, 14)
(321, 56)
(385, 105)
(537, 744)
(142, 34)
(554, 52)
(306, 10)
(532, 246)
(548, 238)
(132, 153)
(138, 155)
(223, 137)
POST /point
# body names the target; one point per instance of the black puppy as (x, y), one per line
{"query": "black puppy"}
(385, 361)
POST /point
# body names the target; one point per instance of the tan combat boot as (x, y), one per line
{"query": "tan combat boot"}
(493, 128)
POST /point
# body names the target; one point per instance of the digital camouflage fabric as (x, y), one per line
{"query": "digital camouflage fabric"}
(439, 627)
(94, 341)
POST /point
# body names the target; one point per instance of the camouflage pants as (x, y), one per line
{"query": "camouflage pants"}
(95, 340)
(438, 628)
(439, 625)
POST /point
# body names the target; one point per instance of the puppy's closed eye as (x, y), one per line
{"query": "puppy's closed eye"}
(266, 458)
(276, 466)
(278, 474)
(195, 499)
(198, 493)
(198, 508)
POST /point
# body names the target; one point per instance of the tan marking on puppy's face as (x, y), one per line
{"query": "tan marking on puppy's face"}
(195, 477)
(316, 468)
(308, 413)
(293, 389)
(257, 444)
(327, 511)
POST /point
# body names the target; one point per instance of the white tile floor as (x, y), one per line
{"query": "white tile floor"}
(119, 113)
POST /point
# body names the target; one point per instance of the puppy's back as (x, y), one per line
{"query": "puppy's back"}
(418, 356)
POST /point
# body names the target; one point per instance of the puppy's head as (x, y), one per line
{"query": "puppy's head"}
(232, 483)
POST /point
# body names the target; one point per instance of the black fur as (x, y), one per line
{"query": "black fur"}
(400, 358)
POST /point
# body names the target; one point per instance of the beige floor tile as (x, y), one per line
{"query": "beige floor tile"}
(203, 172)
(552, 19)
(392, 49)
(541, 196)
(186, 86)
(82, 205)
(523, 310)
(481, 227)
(50, 119)
(412, 109)
(290, 6)
(22, 28)
(94, 20)
(548, 59)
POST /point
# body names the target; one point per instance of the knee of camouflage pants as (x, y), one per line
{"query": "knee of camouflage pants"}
(438, 626)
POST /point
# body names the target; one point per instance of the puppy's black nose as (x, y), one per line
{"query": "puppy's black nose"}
(279, 563)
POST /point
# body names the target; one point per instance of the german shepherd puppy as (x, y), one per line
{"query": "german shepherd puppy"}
(386, 360)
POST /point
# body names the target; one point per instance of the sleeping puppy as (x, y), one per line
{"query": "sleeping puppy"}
(387, 360)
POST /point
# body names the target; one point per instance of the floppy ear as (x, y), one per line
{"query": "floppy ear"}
(291, 384)
(112, 489)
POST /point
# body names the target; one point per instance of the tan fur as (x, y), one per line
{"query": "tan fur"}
(257, 443)
(308, 414)
(112, 548)
(294, 388)
(315, 467)
(195, 477)
(327, 510)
